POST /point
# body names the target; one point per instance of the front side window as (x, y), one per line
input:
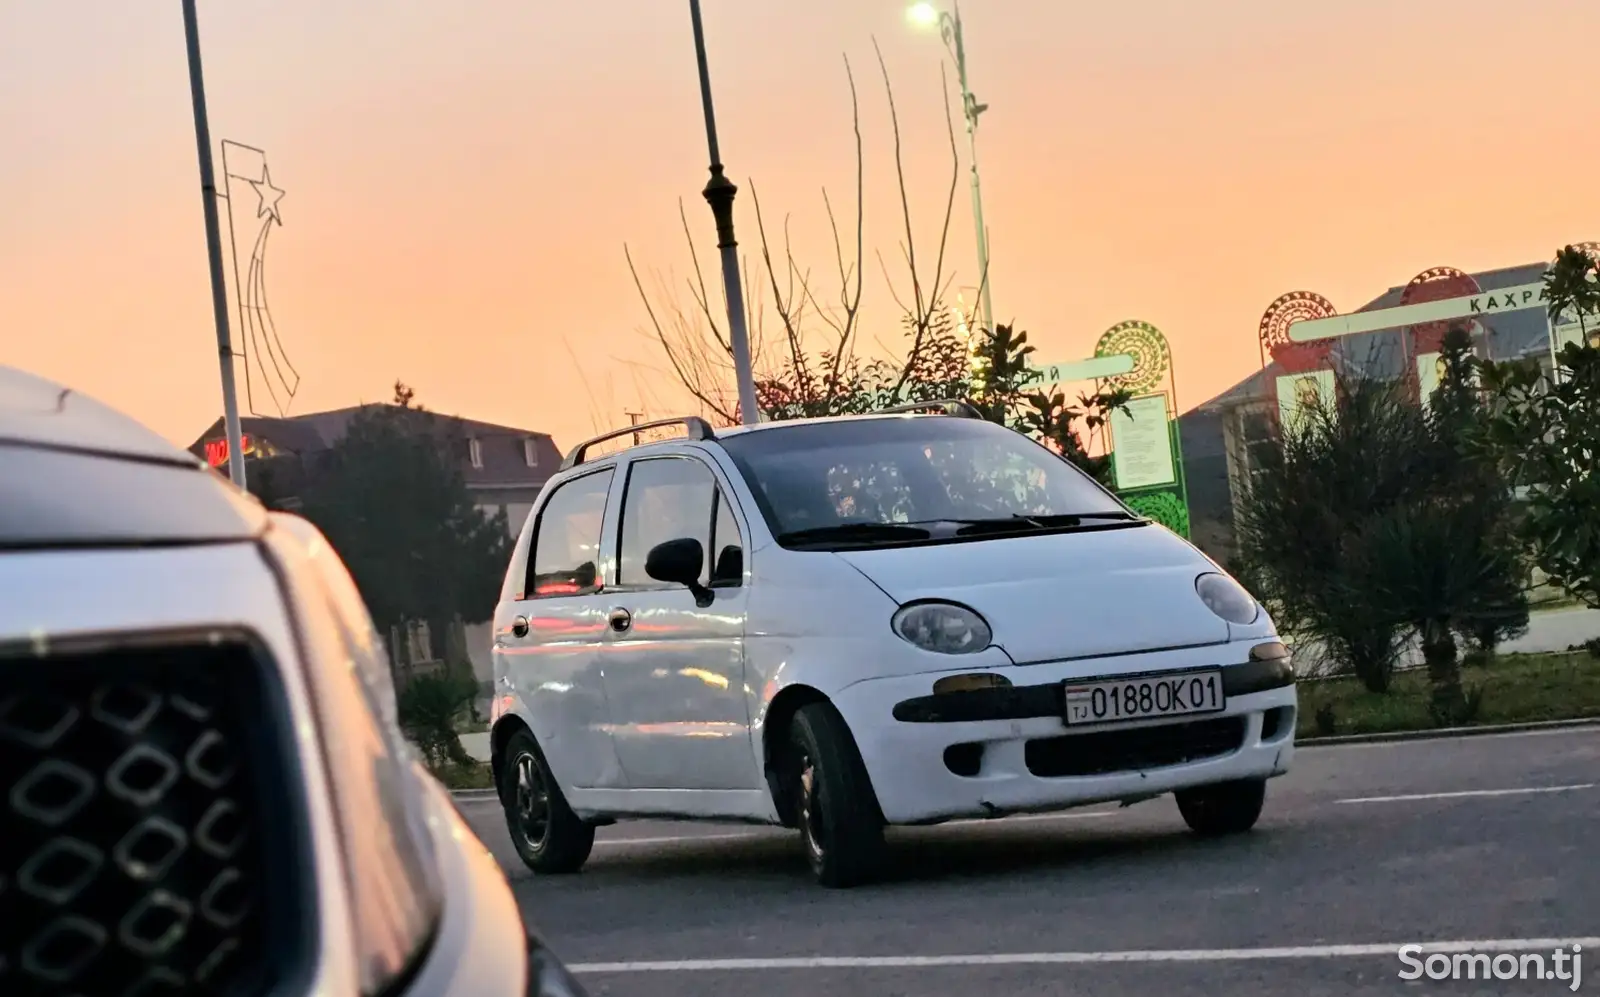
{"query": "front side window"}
(910, 470)
(566, 541)
(668, 498)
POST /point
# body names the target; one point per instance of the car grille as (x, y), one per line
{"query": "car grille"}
(132, 858)
(1103, 752)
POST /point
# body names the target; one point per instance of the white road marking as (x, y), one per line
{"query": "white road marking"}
(769, 835)
(1390, 949)
(1470, 792)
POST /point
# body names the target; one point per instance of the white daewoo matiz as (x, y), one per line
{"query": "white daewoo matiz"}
(842, 624)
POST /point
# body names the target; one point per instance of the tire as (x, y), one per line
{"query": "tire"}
(547, 835)
(1223, 808)
(840, 824)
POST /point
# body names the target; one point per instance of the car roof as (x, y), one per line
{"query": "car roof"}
(817, 420)
(729, 432)
(75, 472)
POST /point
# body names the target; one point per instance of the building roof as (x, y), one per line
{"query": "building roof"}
(501, 447)
(1511, 334)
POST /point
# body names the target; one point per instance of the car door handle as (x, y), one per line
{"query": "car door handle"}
(621, 620)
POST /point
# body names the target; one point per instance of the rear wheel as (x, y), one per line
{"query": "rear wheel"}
(548, 836)
(1223, 808)
(834, 804)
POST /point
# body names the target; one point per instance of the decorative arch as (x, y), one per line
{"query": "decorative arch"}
(1276, 347)
(1435, 284)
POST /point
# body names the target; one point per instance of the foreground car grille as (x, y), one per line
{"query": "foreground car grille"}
(133, 860)
(1103, 752)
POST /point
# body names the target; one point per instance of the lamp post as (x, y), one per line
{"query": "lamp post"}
(719, 193)
(219, 286)
(949, 24)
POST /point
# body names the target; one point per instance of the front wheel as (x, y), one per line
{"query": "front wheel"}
(1223, 808)
(548, 836)
(840, 823)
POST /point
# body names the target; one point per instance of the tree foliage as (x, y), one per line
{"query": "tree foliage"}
(1377, 520)
(394, 504)
(1545, 435)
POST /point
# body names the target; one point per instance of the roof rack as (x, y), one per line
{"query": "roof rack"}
(698, 428)
(958, 407)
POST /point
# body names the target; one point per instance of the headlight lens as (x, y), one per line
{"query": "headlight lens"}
(1227, 598)
(942, 627)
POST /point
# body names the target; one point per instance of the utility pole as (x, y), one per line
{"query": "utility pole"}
(219, 285)
(719, 193)
(949, 22)
(970, 110)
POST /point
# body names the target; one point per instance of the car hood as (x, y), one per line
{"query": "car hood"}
(1062, 595)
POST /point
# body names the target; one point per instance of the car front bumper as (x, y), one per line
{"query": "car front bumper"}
(1015, 753)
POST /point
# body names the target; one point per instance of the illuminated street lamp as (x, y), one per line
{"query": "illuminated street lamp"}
(949, 24)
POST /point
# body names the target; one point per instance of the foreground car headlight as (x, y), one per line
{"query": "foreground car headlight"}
(942, 627)
(1227, 598)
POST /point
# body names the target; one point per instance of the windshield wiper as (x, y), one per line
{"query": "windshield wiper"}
(855, 533)
(1057, 521)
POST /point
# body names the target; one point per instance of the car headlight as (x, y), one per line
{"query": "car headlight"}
(1227, 598)
(942, 627)
(388, 849)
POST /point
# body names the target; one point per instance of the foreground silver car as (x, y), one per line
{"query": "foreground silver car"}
(203, 788)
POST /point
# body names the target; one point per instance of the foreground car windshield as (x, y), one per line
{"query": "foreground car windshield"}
(858, 477)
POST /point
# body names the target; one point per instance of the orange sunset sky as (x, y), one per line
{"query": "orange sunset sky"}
(461, 177)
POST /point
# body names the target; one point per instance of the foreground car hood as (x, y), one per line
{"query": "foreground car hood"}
(1066, 595)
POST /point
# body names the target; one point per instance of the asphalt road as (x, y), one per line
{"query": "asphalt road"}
(1362, 848)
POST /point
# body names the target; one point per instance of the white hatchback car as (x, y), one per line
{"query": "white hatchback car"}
(904, 619)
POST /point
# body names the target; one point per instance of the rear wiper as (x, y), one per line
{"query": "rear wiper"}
(855, 533)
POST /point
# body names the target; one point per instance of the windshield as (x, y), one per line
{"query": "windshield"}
(912, 470)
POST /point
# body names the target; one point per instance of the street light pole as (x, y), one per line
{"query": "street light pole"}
(219, 286)
(719, 193)
(950, 30)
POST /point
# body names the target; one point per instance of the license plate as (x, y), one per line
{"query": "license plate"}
(1144, 696)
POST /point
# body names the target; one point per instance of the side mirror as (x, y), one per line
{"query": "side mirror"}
(680, 563)
(677, 561)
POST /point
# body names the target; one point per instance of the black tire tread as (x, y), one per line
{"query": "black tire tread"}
(570, 839)
(1224, 808)
(853, 824)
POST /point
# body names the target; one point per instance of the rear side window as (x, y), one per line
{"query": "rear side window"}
(566, 539)
(668, 498)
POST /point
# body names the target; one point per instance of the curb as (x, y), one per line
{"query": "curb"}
(1443, 733)
(473, 794)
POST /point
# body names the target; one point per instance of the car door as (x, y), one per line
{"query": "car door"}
(673, 661)
(549, 645)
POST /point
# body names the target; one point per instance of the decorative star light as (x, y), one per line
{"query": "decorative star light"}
(269, 195)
